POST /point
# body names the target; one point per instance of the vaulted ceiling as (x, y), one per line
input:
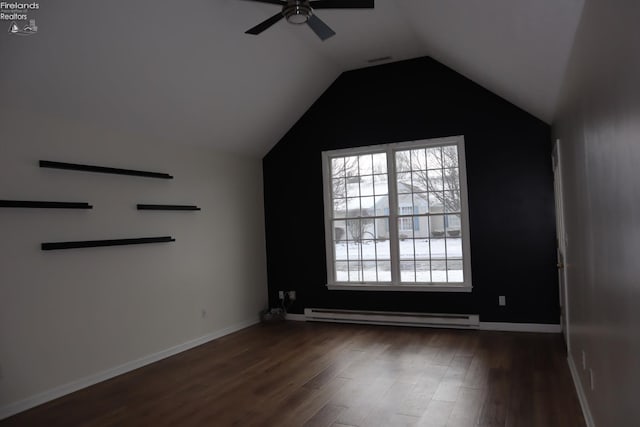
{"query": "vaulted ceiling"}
(185, 72)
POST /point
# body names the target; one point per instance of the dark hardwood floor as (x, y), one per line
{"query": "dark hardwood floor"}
(312, 374)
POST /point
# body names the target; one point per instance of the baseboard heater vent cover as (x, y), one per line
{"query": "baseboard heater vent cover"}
(435, 320)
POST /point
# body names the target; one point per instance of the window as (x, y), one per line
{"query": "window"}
(396, 217)
(406, 222)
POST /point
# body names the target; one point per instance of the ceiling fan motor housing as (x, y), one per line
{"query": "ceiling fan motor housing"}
(297, 12)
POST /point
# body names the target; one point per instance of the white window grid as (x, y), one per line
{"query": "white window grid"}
(400, 220)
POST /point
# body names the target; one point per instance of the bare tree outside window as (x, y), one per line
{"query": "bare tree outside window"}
(343, 172)
(359, 229)
(432, 172)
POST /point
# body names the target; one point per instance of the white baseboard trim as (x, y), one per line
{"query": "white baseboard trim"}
(54, 393)
(520, 327)
(296, 317)
(582, 397)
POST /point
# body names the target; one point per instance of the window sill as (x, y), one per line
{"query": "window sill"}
(398, 288)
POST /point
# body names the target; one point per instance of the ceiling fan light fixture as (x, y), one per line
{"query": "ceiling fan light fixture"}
(300, 12)
(297, 14)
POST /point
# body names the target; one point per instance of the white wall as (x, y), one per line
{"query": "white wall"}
(599, 127)
(184, 71)
(70, 315)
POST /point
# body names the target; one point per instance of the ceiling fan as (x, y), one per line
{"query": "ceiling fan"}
(302, 12)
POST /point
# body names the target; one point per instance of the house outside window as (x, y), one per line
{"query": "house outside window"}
(396, 217)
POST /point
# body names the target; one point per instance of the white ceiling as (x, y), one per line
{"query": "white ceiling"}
(185, 71)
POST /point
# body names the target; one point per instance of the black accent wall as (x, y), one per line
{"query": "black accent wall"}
(510, 188)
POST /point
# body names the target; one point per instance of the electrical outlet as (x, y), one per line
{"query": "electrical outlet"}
(584, 360)
(502, 300)
(591, 380)
(281, 294)
(292, 295)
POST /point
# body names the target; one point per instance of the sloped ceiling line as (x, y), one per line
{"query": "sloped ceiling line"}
(193, 77)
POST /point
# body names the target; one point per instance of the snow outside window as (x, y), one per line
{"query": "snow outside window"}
(396, 216)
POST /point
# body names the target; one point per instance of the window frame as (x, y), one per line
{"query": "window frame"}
(395, 284)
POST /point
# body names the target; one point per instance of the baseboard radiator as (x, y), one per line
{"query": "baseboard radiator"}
(435, 320)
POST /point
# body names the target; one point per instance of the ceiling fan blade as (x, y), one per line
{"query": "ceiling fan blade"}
(278, 2)
(342, 4)
(265, 24)
(321, 29)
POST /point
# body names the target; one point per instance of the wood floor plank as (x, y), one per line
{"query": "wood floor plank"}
(466, 410)
(494, 411)
(296, 373)
(437, 414)
(325, 417)
(416, 403)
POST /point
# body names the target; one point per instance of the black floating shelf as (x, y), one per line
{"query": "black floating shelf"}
(167, 208)
(46, 205)
(102, 169)
(97, 243)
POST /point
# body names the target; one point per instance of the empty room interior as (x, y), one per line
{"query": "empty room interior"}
(323, 213)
